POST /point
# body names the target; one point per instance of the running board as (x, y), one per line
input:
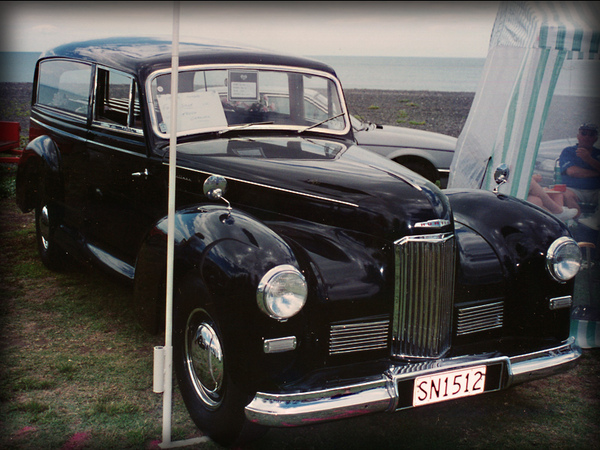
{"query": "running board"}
(119, 266)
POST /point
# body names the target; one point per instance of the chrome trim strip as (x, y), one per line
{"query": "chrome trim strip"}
(437, 223)
(59, 131)
(279, 345)
(381, 394)
(116, 127)
(560, 302)
(288, 191)
(94, 145)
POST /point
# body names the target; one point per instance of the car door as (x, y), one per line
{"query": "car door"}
(125, 194)
(61, 111)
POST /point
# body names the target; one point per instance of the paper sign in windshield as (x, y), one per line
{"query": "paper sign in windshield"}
(243, 86)
(196, 111)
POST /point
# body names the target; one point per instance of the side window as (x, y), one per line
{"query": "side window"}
(64, 85)
(117, 100)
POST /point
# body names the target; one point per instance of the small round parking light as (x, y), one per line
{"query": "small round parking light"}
(563, 259)
(282, 292)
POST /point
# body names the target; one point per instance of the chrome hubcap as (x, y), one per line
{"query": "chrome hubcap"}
(204, 360)
(44, 225)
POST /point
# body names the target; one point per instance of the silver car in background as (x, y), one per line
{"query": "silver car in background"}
(424, 152)
(427, 153)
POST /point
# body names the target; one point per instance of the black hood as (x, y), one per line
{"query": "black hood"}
(324, 181)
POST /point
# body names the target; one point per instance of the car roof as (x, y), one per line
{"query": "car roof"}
(143, 55)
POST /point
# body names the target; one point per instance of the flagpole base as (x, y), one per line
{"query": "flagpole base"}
(185, 443)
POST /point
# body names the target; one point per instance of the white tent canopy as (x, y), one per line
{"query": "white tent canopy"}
(537, 50)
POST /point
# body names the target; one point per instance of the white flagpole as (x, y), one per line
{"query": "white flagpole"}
(168, 368)
(168, 348)
(167, 383)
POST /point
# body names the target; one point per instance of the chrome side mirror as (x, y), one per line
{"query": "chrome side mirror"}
(501, 176)
(215, 187)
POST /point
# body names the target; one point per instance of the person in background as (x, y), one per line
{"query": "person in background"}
(538, 196)
(580, 170)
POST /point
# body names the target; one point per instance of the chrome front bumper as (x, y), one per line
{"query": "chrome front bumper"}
(385, 394)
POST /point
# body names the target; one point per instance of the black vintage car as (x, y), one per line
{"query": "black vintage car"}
(313, 280)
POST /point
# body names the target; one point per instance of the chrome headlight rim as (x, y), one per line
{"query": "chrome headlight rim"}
(282, 292)
(563, 259)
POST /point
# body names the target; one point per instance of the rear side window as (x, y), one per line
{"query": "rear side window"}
(65, 85)
(117, 100)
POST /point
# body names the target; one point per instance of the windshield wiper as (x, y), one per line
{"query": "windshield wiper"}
(320, 123)
(241, 127)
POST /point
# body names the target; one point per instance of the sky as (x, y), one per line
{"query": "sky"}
(429, 29)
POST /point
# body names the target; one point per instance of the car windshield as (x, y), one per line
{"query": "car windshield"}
(225, 100)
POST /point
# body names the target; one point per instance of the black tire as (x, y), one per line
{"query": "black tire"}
(47, 218)
(214, 401)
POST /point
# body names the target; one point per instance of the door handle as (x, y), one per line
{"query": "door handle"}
(143, 174)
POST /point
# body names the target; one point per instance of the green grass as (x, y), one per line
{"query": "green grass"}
(403, 116)
(7, 180)
(72, 358)
(14, 111)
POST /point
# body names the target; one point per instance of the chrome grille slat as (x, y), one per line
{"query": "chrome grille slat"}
(360, 336)
(424, 295)
(473, 319)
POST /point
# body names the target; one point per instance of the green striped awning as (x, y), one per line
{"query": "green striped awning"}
(529, 45)
(569, 26)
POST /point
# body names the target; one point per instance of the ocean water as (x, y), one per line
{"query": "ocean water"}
(407, 73)
(355, 72)
(17, 67)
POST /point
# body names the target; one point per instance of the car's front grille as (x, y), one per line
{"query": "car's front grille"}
(484, 317)
(358, 336)
(423, 303)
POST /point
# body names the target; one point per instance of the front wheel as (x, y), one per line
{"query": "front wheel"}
(215, 403)
(46, 223)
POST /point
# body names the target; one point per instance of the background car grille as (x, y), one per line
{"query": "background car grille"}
(422, 322)
(357, 337)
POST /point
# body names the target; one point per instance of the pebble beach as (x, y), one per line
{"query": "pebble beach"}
(441, 112)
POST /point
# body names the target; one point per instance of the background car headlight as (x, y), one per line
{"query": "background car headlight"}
(282, 292)
(563, 259)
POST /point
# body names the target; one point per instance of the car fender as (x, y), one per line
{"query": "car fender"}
(520, 234)
(396, 142)
(227, 252)
(40, 161)
(511, 226)
(394, 153)
(417, 155)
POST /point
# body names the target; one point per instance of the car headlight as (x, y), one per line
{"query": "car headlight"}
(563, 259)
(282, 292)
